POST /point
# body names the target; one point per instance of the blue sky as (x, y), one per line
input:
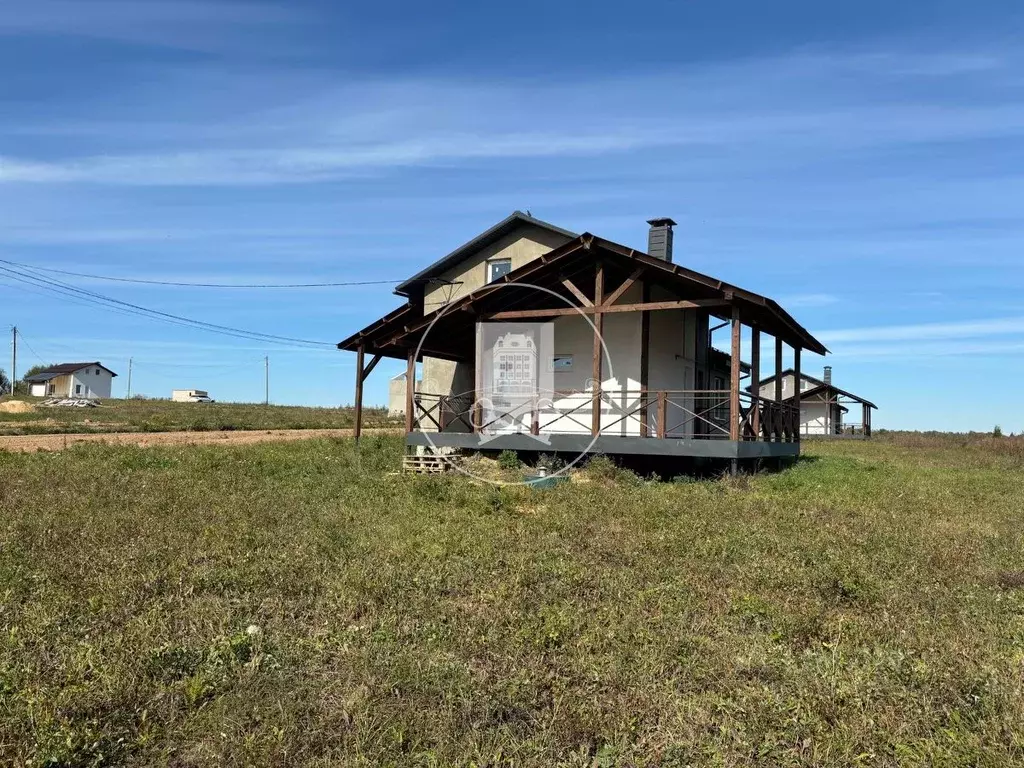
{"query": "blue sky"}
(861, 163)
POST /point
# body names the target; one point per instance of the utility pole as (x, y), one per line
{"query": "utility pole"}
(14, 357)
(129, 378)
(266, 380)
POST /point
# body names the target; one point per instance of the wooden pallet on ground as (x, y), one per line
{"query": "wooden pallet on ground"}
(426, 465)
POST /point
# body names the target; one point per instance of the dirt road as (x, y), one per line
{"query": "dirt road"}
(145, 439)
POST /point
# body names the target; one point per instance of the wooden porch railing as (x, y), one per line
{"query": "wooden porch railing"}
(659, 414)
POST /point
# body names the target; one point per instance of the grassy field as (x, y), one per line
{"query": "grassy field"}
(166, 416)
(299, 604)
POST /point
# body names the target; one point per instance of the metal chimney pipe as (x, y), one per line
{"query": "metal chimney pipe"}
(828, 375)
(659, 238)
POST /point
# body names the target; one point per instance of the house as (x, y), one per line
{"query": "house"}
(624, 363)
(396, 395)
(92, 380)
(822, 404)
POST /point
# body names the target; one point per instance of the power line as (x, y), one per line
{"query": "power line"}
(106, 301)
(24, 341)
(142, 281)
(67, 296)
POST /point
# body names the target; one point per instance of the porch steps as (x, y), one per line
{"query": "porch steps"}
(428, 464)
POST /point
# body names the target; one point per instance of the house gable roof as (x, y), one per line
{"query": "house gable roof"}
(828, 390)
(789, 372)
(505, 226)
(451, 336)
(65, 368)
(819, 387)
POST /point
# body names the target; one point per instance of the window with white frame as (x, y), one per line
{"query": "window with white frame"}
(498, 268)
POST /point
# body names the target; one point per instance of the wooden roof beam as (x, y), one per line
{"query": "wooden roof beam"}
(577, 292)
(524, 314)
(626, 284)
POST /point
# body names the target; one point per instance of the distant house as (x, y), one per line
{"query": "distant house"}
(396, 396)
(72, 380)
(823, 406)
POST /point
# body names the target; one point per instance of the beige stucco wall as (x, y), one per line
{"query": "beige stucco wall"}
(61, 385)
(768, 389)
(396, 396)
(522, 246)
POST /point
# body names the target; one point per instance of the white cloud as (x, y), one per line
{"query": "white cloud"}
(301, 131)
(809, 300)
(203, 25)
(322, 159)
(929, 349)
(310, 165)
(924, 331)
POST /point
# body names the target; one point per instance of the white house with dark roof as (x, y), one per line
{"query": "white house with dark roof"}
(92, 380)
(823, 406)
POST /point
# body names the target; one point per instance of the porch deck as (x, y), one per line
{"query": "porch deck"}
(665, 423)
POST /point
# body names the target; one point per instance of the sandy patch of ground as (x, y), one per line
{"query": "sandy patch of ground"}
(145, 439)
(16, 406)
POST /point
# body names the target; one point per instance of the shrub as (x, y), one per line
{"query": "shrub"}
(601, 467)
(509, 460)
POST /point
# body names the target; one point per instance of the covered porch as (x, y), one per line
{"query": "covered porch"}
(830, 404)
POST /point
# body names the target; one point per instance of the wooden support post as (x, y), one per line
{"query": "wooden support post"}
(476, 414)
(595, 424)
(535, 416)
(755, 381)
(779, 428)
(410, 388)
(734, 377)
(358, 426)
(866, 421)
(796, 391)
(662, 413)
(645, 360)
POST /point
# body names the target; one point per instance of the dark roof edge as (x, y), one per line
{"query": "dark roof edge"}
(516, 217)
(588, 241)
(815, 390)
(788, 371)
(809, 342)
(65, 368)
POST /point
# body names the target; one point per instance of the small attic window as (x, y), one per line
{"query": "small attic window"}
(498, 268)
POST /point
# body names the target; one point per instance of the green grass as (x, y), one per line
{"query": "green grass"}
(865, 607)
(167, 416)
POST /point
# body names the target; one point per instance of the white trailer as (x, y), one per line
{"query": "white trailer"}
(190, 396)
